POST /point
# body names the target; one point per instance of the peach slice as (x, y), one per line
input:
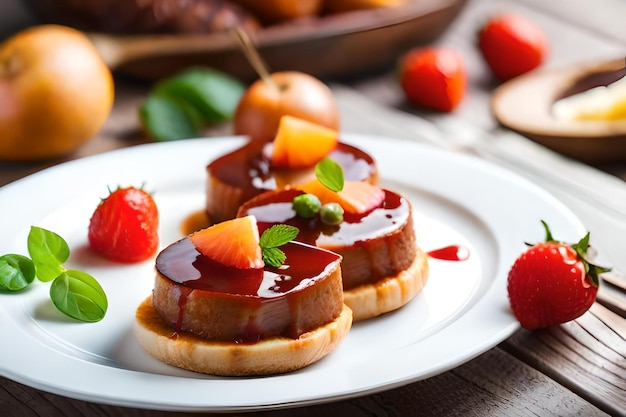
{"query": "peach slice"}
(233, 243)
(355, 197)
(300, 143)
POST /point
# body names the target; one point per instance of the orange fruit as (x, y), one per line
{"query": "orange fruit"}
(355, 197)
(233, 243)
(300, 143)
(56, 92)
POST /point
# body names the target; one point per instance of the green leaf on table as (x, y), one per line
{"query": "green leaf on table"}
(330, 174)
(213, 93)
(166, 118)
(78, 295)
(48, 251)
(16, 272)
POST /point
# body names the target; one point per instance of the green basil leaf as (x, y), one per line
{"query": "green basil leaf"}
(16, 272)
(78, 295)
(166, 118)
(330, 174)
(48, 251)
(214, 94)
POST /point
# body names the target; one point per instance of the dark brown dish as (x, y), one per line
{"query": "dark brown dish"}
(330, 46)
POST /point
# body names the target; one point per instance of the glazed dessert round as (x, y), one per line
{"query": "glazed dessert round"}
(390, 293)
(247, 172)
(194, 294)
(202, 313)
(378, 248)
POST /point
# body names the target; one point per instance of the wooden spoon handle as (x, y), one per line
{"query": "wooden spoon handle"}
(119, 50)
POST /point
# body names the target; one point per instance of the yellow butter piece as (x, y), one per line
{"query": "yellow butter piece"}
(599, 103)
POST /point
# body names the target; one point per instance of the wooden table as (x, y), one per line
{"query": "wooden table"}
(575, 369)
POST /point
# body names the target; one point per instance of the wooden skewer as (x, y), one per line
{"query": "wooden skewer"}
(253, 56)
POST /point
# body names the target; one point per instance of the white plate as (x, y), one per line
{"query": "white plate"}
(462, 312)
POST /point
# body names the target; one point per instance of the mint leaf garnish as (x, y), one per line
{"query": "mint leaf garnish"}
(272, 238)
(330, 174)
(278, 235)
(273, 256)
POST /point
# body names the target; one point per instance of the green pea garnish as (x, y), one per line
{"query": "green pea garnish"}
(306, 205)
(331, 213)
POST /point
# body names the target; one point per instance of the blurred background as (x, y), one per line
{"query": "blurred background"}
(13, 17)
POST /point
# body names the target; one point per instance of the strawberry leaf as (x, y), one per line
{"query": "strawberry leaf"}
(592, 270)
(581, 248)
(549, 237)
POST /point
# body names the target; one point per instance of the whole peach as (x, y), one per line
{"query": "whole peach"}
(290, 93)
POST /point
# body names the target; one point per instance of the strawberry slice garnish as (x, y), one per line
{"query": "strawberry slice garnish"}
(233, 243)
(124, 226)
(552, 282)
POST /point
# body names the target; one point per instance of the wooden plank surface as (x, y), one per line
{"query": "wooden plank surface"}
(493, 384)
(585, 355)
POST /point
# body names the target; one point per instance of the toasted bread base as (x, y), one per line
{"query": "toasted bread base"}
(371, 300)
(270, 356)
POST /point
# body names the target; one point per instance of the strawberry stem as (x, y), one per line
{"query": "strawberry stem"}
(581, 248)
(549, 237)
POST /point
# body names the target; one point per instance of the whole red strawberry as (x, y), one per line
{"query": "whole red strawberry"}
(552, 283)
(512, 45)
(124, 226)
(433, 78)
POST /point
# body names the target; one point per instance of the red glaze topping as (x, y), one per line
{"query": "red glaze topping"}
(275, 208)
(196, 295)
(183, 264)
(249, 168)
